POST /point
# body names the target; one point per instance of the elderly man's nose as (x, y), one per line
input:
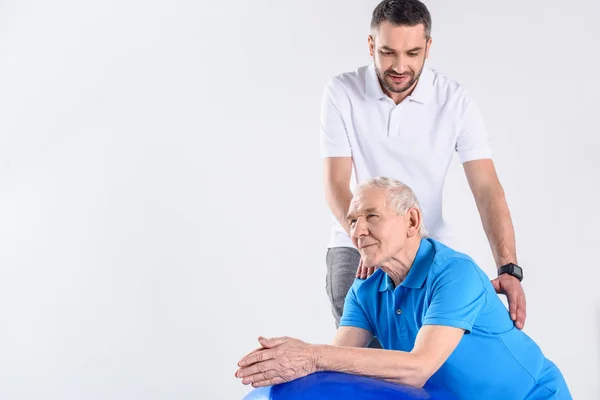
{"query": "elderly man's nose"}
(360, 228)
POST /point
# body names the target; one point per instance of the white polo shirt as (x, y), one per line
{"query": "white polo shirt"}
(413, 141)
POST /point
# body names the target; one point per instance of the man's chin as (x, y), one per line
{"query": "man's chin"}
(397, 88)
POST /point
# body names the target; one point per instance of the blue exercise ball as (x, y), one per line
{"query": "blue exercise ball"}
(335, 386)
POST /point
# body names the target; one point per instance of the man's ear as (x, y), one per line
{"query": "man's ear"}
(428, 47)
(371, 41)
(413, 221)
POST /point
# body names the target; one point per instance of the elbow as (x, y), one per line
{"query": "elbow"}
(416, 380)
(420, 374)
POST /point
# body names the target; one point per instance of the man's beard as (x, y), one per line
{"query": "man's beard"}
(398, 89)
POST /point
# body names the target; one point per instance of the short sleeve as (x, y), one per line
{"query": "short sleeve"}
(354, 314)
(333, 134)
(472, 142)
(458, 296)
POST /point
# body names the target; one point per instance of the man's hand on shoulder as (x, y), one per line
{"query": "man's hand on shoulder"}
(363, 272)
(512, 288)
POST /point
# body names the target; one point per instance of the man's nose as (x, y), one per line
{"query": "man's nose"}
(360, 228)
(400, 65)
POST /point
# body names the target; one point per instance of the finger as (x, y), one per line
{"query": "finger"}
(496, 284)
(370, 271)
(521, 311)
(512, 302)
(261, 376)
(363, 270)
(252, 352)
(256, 369)
(256, 350)
(363, 273)
(269, 382)
(272, 342)
(359, 272)
(259, 356)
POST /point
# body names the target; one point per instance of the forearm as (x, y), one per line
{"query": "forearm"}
(338, 198)
(394, 366)
(497, 223)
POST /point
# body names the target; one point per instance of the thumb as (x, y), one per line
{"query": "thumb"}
(496, 284)
(269, 343)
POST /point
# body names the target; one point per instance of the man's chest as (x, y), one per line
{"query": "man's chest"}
(399, 318)
(410, 128)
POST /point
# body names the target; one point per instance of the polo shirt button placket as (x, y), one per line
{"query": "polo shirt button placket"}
(394, 126)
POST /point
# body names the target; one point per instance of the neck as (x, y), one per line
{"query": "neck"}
(398, 266)
(398, 97)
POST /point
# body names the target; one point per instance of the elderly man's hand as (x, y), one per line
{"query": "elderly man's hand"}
(511, 287)
(363, 272)
(279, 360)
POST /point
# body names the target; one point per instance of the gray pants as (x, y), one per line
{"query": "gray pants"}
(342, 263)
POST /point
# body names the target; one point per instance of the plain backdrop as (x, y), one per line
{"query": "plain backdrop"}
(161, 196)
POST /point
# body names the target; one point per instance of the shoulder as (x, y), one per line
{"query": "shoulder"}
(449, 264)
(449, 90)
(347, 83)
(364, 289)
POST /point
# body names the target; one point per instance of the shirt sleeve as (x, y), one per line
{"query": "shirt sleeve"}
(354, 314)
(458, 296)
(472, 142)
(334, 137)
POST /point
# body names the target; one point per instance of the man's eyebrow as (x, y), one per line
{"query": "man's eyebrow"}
(414, 49)
(369, 210)
(387, 48)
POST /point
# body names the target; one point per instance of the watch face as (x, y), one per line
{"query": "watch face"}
(517, 270)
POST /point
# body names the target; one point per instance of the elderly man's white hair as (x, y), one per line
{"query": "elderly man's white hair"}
(400, 196)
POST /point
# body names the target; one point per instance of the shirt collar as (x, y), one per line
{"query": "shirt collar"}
(421, 93)
(373, 89)
(418, 271)
(424, 89)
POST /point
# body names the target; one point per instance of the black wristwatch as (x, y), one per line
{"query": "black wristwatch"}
(511, 269)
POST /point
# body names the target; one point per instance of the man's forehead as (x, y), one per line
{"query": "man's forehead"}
(367, 199)
(388, 33)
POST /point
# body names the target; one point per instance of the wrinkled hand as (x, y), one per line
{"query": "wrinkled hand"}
(279, 360)
(511, 287)
(363, 272)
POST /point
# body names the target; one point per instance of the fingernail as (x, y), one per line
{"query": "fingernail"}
(242, 363)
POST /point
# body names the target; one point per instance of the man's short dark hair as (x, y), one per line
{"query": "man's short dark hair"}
(402, 12)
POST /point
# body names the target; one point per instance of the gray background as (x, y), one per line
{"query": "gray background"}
(161, 200)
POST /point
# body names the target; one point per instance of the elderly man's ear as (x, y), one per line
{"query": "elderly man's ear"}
(413, 221)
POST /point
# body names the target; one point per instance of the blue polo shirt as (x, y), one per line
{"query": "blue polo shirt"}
(493, 360)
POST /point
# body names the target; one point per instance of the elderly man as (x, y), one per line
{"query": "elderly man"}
(434, 311)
